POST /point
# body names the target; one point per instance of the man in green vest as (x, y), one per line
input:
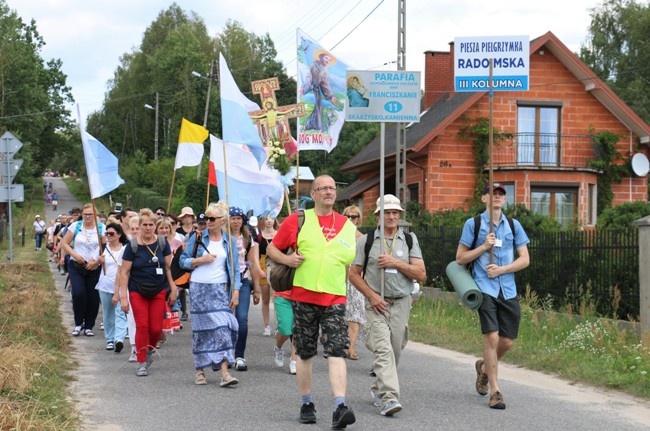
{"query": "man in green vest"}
(388, 307)
(325, 244)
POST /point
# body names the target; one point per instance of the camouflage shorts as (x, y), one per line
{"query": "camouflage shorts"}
(309, 318)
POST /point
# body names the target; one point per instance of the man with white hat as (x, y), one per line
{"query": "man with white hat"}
(38, 227)
(387, 309)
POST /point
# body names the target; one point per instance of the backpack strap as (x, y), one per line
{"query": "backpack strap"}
(301, 221)
(368, 245)
(477, 227)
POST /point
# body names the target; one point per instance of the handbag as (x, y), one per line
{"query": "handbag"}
(281, 278)
(80, 268)
(148, 290)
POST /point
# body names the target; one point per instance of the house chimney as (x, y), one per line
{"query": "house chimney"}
(438, 75)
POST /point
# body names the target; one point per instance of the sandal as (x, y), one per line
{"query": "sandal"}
(200, 378)
(76, 331)
(89, 333)
(228, 380)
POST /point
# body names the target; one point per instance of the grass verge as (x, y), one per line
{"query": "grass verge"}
(590, 350)
(35, 362)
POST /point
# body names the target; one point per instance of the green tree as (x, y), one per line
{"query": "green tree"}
(618, 50)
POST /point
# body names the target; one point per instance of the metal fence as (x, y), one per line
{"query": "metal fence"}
(566, 268)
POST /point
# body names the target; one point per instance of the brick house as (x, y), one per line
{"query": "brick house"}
(543, 165)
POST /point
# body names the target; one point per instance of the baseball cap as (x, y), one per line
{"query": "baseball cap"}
(391, 202)
(253, 221)
(495, 186)
(202, 218)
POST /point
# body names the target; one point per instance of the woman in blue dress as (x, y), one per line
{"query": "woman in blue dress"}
(214, 286)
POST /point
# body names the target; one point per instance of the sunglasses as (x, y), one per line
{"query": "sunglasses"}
(160, 214)
(353, 216)
(213, 219)
(111, 233)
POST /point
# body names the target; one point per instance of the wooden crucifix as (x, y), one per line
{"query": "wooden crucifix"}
(272, 120)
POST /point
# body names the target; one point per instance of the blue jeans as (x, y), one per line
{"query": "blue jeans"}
(113, 317)
(85, 299)
(39, 239)
(241, 313)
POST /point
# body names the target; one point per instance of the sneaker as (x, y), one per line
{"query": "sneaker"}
(110, 345)
(119, 345)
(101, 326)
(279, 357)
(391, 408)
(292, 367)
(184, 317)
(240, 364)
(481, 378)
(376, 398)
(76, 331)
(227, 380)
(142, 370)
(267, 331)
(342, 417)
(307, 414)
(133, 357)
(89, 333)
(496, 401)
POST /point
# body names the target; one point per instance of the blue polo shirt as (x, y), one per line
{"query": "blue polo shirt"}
(503, 255)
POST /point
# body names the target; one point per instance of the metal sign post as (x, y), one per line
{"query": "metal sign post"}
(9, 145)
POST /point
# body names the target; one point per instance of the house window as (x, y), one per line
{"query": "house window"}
(560, 204)
(510, 194)
(414, 192)
(538, 135)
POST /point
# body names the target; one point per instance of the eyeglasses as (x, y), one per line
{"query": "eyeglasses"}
(88, 214)
(111, 233)
(325, 189)
(173, 223)
(213, 219)
(353, 216)
(160, 214)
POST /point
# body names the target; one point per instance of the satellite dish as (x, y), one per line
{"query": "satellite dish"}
(640, 164)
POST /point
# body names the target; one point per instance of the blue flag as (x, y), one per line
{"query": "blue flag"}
(238, 127)
(101, 166)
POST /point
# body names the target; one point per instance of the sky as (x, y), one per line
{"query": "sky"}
(91, 36)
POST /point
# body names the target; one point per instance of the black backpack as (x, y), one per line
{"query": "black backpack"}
(181, 276)
(368, 245)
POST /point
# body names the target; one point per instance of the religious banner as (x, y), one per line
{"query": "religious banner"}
(272, 120)
(322, 89)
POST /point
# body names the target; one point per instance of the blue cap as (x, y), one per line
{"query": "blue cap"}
(236, 211)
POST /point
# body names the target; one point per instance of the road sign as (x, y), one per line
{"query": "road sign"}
(383, 96)
(12, 192)
(510, 57)
(9, 144)
(9, 168)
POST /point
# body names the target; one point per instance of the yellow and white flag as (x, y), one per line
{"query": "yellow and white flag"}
(190, 144)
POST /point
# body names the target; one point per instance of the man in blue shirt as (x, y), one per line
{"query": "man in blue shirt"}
(493, 271)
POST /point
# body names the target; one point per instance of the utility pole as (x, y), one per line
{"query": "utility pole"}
(400, 138)
(155, 134)
(211, 76)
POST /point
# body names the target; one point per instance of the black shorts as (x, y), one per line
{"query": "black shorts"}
(499, 314)
(310, 319)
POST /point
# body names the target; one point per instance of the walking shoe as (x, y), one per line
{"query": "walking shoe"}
(110, 345)
(89, 333)
(481, 378)
(279, 357)
(240, 364)
(376, 398)
(391, 408)
(267, 331)
(133, 357)
(142, 370)
(292, 367)
(496, 401)
(76, 331)
(184, 317)
(119, 345)
(101, 326)
(342, 417)
(307, 414)
(227, 380)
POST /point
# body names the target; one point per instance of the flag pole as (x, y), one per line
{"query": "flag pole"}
(171, 189)
(99, 236)
(297, 181)
(232, 258)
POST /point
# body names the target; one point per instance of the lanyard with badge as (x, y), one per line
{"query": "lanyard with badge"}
(154, 257)
(389, 249)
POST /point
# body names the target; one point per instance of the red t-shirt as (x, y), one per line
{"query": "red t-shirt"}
(287, 236)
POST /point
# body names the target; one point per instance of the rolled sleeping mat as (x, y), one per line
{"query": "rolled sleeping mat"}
(464, 285)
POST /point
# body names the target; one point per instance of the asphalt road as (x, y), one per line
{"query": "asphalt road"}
(437, 389)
